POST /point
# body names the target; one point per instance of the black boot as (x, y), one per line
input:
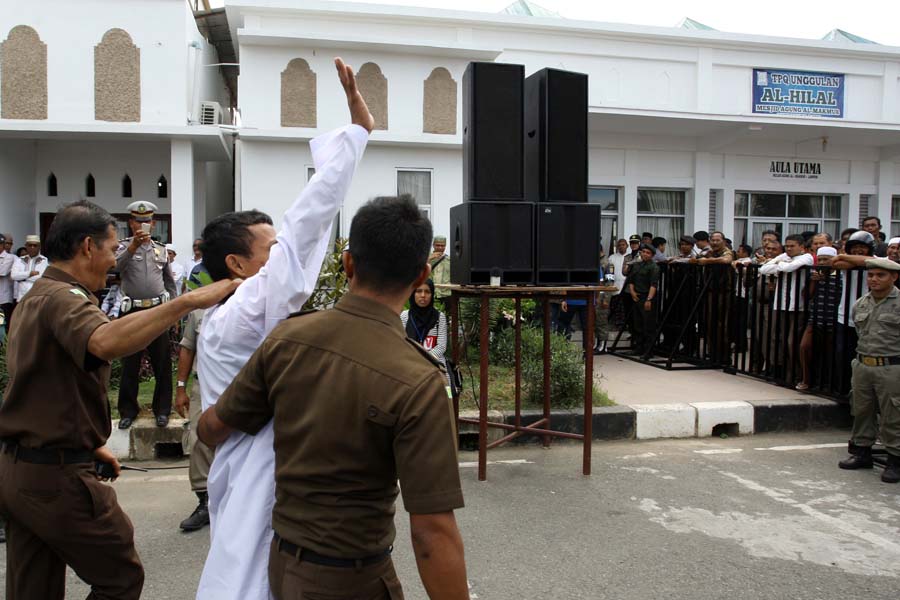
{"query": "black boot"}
(860, 457)
(200, 517)
(2, 530)
(892, 470)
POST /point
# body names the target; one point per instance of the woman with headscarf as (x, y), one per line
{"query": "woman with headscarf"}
(424, 323)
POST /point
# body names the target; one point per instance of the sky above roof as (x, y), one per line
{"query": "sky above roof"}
(876, 20)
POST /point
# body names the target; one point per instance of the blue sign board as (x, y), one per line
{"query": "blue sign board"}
(798, 93)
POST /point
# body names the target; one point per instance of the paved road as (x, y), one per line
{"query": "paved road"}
(755, 517)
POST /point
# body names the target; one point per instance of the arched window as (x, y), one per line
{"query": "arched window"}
(90, 189)
(439, 103)
(162, 187)
(117, 78)
(126, 186)
(298, 95)
(23, 85)
(374, 87)
(51, 185)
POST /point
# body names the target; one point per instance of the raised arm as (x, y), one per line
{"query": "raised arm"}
(292, 271)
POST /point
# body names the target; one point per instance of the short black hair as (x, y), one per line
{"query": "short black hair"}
(687, 239)
(796, 238)
(701, 236)
(647, 247)
(720, 233)
(771, 232)
(872, 218)
(658, 241)
(72, 224)
(849, 231)
(390, 241)
(229, 234)
(646, 234)
(746, 248)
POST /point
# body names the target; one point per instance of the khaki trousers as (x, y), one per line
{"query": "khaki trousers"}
(876, 388)
(291, 579)
(201, 455)
(62, 515)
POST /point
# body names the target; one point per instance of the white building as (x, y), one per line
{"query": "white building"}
(675, 143)
(99, 100)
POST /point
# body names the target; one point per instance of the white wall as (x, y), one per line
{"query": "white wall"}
(108, 162)
(17, 165)
(274, 173)
(260, 85)
(72, 29)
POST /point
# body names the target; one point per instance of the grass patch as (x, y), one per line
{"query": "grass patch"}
(145, 398)
(502, 390)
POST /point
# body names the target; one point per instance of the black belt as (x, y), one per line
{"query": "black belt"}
(304, 554)
(47, 456)
(878, 361)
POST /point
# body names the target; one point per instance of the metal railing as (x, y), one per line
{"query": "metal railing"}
(787, 328)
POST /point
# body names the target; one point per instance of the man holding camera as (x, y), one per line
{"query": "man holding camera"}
(146, 283)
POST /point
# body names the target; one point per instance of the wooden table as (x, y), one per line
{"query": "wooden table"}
(542, 426)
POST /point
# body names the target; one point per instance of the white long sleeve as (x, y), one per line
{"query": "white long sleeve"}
(796, 263)
(771, 267)
(241, 483)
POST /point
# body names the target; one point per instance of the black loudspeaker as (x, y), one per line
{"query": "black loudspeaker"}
(493, 147)
(556, 136)
(492, 238)
(567, 246)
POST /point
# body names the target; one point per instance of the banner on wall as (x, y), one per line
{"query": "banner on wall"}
(798, 93)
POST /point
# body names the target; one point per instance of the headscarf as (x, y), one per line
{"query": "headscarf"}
(420, 320)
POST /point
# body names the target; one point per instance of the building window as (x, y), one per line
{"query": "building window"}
(661, 212)
(162, 187)
(51, 185)
(336, 226)
(126, 186)
(90, 189)
(787, 214)
(416, 183)
(895, 216)
(608, 199)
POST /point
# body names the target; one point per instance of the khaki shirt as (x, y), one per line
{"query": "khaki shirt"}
(192, 332)
(144, 273)
(56, 396)
(440, 273)
(356, 405)
(877, 324)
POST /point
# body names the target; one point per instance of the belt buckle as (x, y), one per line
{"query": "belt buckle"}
(870, 361)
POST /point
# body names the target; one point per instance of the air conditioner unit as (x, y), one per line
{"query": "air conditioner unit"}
(210, 113)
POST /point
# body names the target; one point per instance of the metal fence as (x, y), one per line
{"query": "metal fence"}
(786, 328)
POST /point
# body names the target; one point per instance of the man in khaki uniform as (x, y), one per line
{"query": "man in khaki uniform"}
(146, 282)
(189, 406)
(440, 269)
(876, 370)
(373, 409)
(54, 420)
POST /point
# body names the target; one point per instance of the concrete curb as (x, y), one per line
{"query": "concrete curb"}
(685, 420)
(145, 441)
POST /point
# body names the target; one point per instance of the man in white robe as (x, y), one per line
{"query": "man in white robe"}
(241, 483)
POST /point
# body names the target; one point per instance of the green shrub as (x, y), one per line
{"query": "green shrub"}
(566, 366)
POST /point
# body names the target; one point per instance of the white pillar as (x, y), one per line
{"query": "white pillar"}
(726, 213)
(181, 194)
(884, 182)
(850, 210)
(697, 216)
(628, 208)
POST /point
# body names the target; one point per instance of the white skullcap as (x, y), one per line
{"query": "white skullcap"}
(826, 251)
(171, 248)
(893, 241)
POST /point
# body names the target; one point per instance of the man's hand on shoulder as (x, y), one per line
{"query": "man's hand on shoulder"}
(211, 294)
(359, 111)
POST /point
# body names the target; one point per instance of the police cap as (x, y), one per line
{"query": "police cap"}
(882, 263)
